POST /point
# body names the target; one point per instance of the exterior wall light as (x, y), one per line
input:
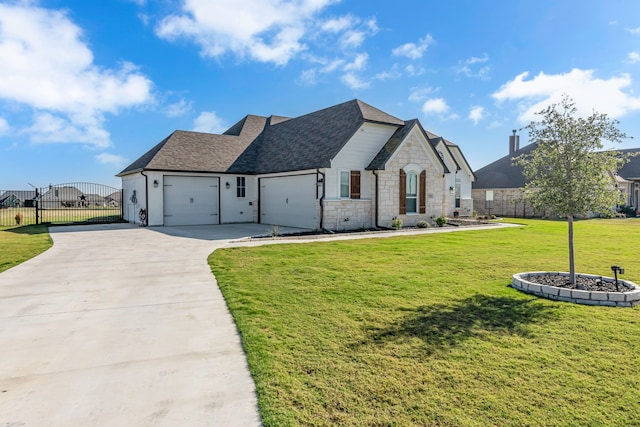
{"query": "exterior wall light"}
(227, 185)
(155, 183)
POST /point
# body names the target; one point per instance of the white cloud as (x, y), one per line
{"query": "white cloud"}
(178, 109)
(337, 25)
(353, 81)
(111, 159)
(633, 57)
(413, 50)
(46, 65)
(419, 94)
(209, 122)
(352, 39)
(634, 30)
(412, 70)
(359, 63)
(476, 113)
(469, 67)
(308, 77)
(435, 106)
(263, 30)
(589, 93)
(4, 126)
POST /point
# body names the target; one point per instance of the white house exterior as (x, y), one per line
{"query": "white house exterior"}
(344, 167)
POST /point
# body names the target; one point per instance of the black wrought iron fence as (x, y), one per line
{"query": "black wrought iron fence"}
(70, 203)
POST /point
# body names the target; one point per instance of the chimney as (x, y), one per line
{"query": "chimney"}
(514, 143)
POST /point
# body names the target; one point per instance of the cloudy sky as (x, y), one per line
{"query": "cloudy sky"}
(86, 87)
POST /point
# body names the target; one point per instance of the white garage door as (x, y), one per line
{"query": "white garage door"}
(289, 201)
(190, 200)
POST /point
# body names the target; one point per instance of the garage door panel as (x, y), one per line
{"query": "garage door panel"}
(289, 201)
(190, 200)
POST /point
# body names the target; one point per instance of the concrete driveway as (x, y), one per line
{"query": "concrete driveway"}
(118, 325)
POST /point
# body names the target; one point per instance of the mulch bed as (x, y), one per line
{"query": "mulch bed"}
(582, 283)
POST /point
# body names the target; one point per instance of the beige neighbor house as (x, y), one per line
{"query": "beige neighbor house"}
(344, 167)
(496, 190)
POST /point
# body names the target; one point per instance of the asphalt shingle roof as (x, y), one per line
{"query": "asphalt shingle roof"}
(310, 141)
(257, 144)
(200, 152)
(632, 169)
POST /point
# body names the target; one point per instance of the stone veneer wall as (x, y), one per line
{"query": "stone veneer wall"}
(612, 299)
(348, 214)
(411, 151)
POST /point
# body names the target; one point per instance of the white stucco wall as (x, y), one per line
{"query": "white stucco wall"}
(131, 208)
(356, 155)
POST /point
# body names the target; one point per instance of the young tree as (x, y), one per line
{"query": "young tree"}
(568, 173)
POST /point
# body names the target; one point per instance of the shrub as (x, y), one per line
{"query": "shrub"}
(628, 211)
(493, 216)
(275, 231)
(19, 218)
(441, 221)
(396, 223)
(422, 224)
(474, 214)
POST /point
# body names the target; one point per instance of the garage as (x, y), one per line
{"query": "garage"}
(191, 200)
(289, 201)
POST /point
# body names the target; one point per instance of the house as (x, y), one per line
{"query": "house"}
(17, 199)
(497, 189)
(343, 167)
(59, 197)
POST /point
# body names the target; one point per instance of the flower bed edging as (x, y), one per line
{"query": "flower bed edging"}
(576, 296)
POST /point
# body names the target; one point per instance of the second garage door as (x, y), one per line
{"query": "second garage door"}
(190, 200)
(289, 201)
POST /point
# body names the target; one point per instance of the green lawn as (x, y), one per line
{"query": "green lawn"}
(18, 244)
(425, 330)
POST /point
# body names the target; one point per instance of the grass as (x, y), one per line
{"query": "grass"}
(18, 244)
(425, 330)
(60, 216)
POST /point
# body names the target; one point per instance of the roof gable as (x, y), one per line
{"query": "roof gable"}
(386, 153)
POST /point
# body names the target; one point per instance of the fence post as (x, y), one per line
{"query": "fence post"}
(37, 209)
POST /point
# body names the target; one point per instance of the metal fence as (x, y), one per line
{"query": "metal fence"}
(70, 203)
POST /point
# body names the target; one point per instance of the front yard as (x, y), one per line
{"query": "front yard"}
(425, 330)
(18, 244)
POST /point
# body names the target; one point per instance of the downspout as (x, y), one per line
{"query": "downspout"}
(144, 217)
(375, 207)
(322, 197)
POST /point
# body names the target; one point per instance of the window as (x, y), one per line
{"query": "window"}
(350, 184)
(240, 186)
(344, 184)
(457, 192)
(412, 192)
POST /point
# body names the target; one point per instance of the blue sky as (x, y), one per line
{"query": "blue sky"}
(86, 87)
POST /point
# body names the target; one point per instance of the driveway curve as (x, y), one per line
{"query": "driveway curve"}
(118, 325)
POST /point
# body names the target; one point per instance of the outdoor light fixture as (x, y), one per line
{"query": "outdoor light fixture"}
(451, 189)
(227, 185)
(617, 269)
(155, 183)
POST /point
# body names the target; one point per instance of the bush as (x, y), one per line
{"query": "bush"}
(441, 221)
(396, 223)
(628, 211)
(474, 214)
(422, 224)
(19, 218)
(275, 231)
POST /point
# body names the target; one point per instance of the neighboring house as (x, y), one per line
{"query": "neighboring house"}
(62, 197)
(496, 190)
(17, 199)
(343, 167)
(114, 199)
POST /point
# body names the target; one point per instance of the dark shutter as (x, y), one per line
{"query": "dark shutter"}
(355, 184)
(403, 192)
(422, 192)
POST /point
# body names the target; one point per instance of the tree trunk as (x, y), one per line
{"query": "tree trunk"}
(572, 265)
